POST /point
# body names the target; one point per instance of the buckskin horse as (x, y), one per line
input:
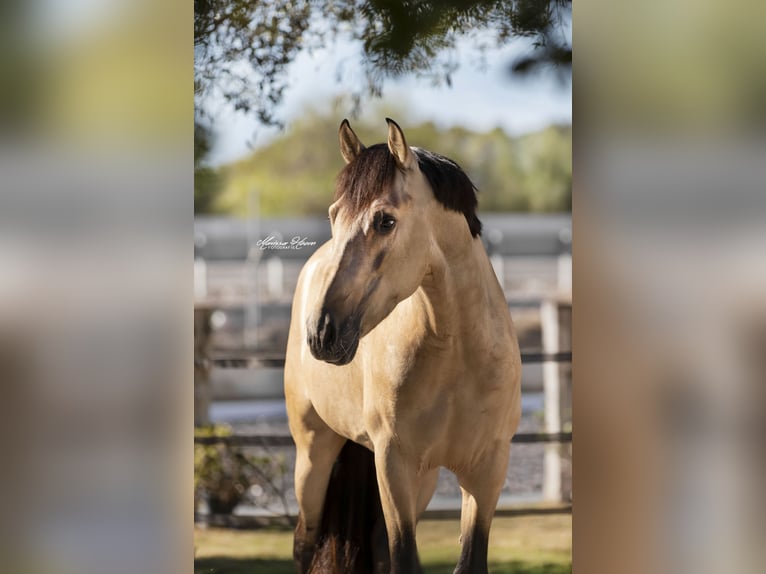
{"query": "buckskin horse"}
(401, 359)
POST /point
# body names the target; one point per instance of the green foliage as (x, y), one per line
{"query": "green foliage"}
(223, 474)
(243, 47)
(295, 174)
(238, 41)
(220, 473)
(207, 181)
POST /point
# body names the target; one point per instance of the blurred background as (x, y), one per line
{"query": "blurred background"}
(96, 147)
(670, 284)
(486, 84)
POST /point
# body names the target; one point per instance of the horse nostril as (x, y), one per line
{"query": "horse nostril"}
(329, 335)
(327, 331)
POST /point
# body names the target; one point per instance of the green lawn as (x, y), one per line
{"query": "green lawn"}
(518, 545)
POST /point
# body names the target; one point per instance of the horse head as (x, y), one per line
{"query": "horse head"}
(394, 208)
(380, 242)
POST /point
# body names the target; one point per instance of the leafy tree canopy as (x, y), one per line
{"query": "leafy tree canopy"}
(243, 47)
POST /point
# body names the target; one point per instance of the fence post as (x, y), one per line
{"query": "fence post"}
(200, 267)
(564, 264)
(275, 276)
(494, 242)
(555, 318)
(252, 270)
(202, 363)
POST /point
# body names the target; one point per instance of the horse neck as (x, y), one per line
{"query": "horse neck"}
(457, 287)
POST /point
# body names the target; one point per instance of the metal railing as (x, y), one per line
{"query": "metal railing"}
(282, 440)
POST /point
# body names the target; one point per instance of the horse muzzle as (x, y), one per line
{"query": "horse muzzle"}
(334, 341)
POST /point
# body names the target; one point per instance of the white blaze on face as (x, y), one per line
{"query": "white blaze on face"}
(305, 313)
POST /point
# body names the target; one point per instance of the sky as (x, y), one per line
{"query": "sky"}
(480, 98)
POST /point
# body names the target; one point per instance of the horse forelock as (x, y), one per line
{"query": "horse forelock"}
(372, 173)
(370, 176)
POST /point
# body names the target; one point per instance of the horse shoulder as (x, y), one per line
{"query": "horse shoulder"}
(299, 365)
(308, 272)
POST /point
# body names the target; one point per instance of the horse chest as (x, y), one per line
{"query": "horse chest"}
(439, 404)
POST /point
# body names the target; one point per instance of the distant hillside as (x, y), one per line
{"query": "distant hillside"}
(295, 174)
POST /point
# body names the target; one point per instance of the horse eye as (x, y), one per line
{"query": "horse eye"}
(385, 223)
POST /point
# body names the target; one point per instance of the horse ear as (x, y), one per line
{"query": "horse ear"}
(350, 146)
(405, 159)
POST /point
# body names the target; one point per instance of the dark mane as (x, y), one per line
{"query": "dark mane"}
(451, 186)
(374, 169)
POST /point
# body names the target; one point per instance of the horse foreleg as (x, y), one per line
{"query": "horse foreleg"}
(313, 466)
(427, 486)
(428, 482)
(481, 488)
(398, 483)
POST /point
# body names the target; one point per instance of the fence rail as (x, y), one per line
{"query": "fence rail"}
(277, 360)
(286, 440)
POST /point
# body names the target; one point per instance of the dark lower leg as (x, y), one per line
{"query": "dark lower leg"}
(398, 483)
(404, 553)
(303, 547)
(380, 557)
(473, 557)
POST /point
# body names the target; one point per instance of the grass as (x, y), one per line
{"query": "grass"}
(518, 545)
